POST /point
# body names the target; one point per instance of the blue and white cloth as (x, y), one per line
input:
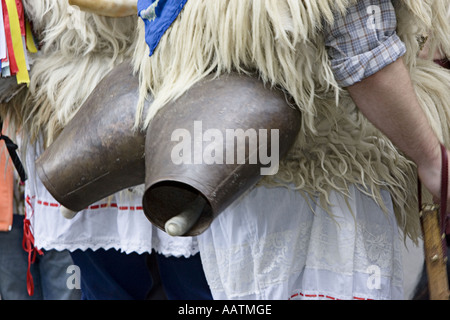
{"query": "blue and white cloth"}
(158, 16)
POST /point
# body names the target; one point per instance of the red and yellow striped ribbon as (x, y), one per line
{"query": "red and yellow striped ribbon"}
(17, 42)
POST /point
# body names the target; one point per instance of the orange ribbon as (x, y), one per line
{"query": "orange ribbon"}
(6, 188)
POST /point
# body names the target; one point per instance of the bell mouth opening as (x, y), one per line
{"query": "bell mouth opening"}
(168, 199)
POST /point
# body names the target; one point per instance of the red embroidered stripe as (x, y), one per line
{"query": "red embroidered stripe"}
(321, 296)
(94, 207)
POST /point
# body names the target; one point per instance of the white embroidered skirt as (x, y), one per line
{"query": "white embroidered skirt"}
(271, 245)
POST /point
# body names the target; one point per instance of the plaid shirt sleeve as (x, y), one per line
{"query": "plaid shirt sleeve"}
(364, 41)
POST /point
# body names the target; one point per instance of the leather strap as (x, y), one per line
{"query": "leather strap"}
(12, 147)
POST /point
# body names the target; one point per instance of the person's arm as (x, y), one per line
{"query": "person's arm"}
(388, 100)
(366, 58)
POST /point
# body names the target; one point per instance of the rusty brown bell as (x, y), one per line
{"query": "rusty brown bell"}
(202, 179)
(98, 153)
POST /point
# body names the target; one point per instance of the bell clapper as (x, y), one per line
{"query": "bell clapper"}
(182, 223)
(67, 213)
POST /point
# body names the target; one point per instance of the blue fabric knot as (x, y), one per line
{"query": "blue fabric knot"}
(158, 16)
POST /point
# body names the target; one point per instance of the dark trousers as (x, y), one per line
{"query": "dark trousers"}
(113, 275)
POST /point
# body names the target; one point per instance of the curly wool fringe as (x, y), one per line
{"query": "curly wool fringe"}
(78, 50)
(427, 18)
(281, 41)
